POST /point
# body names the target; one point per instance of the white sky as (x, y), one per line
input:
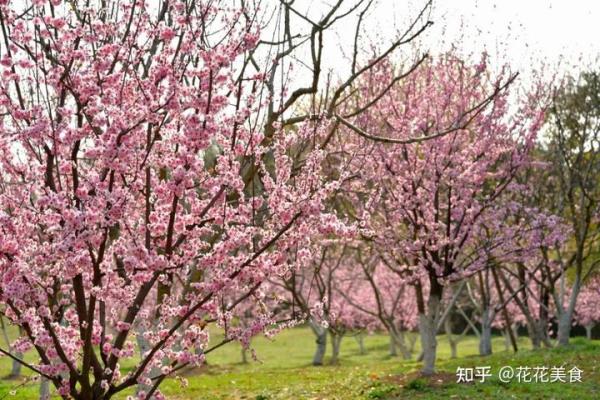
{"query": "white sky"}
(524, 33)
(524, 30)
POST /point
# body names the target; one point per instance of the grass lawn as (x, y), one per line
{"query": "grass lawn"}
(283, 371)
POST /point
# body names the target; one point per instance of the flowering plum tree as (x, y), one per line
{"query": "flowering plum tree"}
(573, 187)
(154, 171)
(317, 290)
(428, 198)
(510, 242)
(588, 310)
(377, 290)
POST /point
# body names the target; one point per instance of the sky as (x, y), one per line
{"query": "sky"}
(524, 30)
(524, 33)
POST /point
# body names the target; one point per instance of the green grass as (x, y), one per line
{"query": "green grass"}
(284, 372)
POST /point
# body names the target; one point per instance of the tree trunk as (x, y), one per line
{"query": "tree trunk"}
(451, 341)
(360, 339)
(393, 349)
(412, 340)
(15, 370)
(16, 365)
(397, 339)
(336, 342)
(244, 355)
(144, 346)
(321, 334)
(453, 349)
(543, 328)
(485, 340)
(588, 331)
(428, 327)
(406, 353)
(564, 327)
(506, 336)
(515, 331)
(44, 389)
(565, 318)
(536, 334)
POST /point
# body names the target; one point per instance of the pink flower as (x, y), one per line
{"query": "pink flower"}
(167, 34)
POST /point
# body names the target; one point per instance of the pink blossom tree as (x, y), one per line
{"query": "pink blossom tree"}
(509, 241)
(429, 198)
(156, 167)
(588, 309)
(319, 289)
(378, 291)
